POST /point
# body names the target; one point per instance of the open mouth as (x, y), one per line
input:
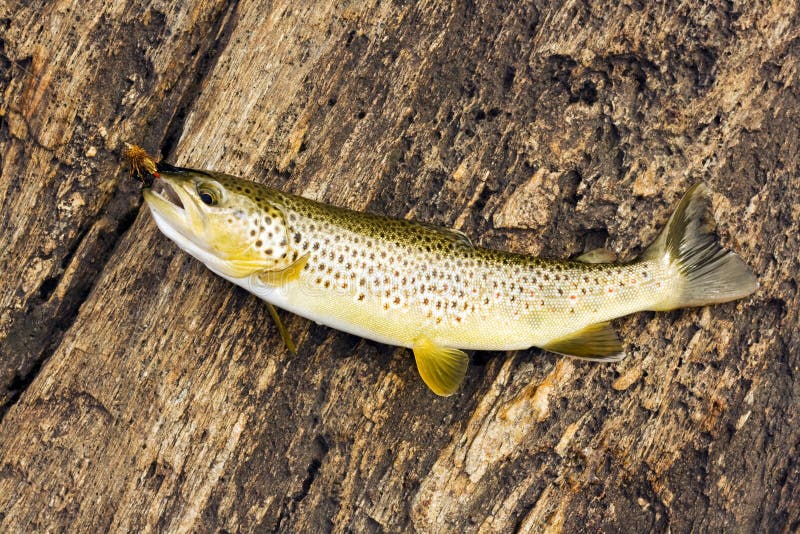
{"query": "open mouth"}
(166, 192)
(170, 205)
(172, 209)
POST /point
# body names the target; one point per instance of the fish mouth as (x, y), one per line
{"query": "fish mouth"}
(166, 204)
(167, 192)
(181, 216)
(175, 212)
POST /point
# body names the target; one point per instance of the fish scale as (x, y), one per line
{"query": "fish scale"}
(428, 288)
(472, 298)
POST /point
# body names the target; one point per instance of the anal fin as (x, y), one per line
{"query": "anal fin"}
(597, 342)
(443, 369)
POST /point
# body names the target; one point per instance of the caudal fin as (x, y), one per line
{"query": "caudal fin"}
(708, 273)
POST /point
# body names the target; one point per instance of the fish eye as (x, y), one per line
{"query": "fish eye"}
(208, 194)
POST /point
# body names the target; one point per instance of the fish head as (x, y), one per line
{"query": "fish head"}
(235, 226)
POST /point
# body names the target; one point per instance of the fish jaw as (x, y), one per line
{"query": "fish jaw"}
(167, 214)
(185, 225)
(174, 223)
(231, 237)
(177, 207)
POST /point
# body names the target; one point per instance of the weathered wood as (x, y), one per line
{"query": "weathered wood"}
(141, 392)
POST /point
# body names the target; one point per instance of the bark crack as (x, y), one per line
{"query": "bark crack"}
(36, 331)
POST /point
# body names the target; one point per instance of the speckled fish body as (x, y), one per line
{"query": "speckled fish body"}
(428, 288)
(395, 280)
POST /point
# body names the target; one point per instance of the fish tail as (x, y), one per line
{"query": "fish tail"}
(707, 273)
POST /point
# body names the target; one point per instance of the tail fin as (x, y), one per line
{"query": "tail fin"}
(709, 274)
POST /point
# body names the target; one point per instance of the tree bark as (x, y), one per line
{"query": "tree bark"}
(141, 392)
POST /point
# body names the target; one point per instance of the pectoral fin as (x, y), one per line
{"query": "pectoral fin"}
(441, 368)
(283, 276)
(598, 255)
(597, 342)
(282, 329)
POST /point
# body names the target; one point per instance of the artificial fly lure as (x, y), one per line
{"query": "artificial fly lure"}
(142, 165)
(429, 288)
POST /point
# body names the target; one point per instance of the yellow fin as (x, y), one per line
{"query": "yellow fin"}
(441, 368)
(283, 276)
(282, 329)
(598, 255)
(597, 342)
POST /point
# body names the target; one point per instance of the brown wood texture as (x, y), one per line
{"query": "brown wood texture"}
(139, 392)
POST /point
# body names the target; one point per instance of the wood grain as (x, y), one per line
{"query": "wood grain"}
(140, 392)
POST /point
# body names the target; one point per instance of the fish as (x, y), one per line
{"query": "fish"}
(429, 288)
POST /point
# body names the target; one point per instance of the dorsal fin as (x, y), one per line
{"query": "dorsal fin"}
(458, 235)
(450, 234)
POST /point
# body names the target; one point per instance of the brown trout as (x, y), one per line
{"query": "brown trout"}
(429, 288)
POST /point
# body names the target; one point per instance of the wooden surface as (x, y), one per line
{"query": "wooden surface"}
(139, 392)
